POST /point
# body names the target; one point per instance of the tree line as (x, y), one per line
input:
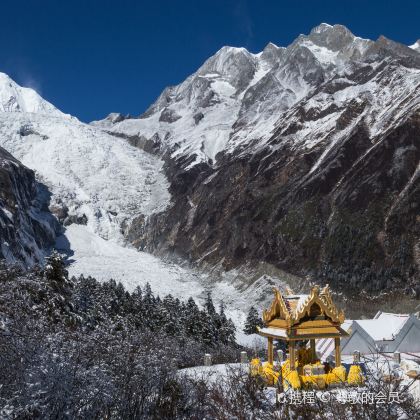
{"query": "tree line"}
(80, 348)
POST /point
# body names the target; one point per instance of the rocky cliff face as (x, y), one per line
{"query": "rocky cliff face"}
(27, 228)
(306, 157)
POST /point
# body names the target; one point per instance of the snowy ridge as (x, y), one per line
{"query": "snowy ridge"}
(236, 100)
(252, 141)
(416, 46)
(14, 98)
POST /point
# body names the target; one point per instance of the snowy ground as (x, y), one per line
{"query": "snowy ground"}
(105, 259)
(215, 372)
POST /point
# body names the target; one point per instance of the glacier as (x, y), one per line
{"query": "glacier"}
(107, 181)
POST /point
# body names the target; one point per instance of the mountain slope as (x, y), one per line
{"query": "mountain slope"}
(96, 185)
(306, 157)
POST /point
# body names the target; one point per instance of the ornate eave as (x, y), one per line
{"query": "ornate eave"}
(278, 308)
(281, 314)
(324, 301)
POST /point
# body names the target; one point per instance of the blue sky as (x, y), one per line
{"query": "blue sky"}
(93, 57)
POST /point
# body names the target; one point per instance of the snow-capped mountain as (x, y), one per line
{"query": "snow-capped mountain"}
(306, 157)
(88, 171)
(98, 183)
(236, 97)
(303, 157)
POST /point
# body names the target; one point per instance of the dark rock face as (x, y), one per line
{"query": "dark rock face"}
(116, 117)
(27, 130)
(73, 219)
(27, 228)
(198, 117)
(169, 116)
(354, 223)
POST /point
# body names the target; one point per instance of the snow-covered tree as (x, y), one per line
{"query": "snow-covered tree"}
(55, 272)
(252, 322)
(209, 305)
(58, 289)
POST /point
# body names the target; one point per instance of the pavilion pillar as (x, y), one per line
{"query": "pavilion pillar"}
(292, 355)
(270, 350)
(337, 352)
(313, 349)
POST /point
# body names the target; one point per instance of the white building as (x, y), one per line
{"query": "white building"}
(385, 333)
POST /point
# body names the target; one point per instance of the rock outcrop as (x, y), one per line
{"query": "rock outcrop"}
(27, 228)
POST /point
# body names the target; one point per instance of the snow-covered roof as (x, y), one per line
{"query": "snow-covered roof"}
(292, 308)
(276, 332)
(385, 326)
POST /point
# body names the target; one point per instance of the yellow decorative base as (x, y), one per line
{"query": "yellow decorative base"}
(271, 375)
(355, 376)
(292, 379)
(255, 367)
(337, 376)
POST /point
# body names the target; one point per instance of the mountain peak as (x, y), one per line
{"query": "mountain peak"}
(322, 27)
(271, 46)
(271, 53)
(386, 46)
(228, 53)
(335, 38)
(224, 58)
(416, 46)
(229, 49)
(15, 98)
(237, 65)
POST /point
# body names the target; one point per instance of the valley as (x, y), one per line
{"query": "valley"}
(291, 165)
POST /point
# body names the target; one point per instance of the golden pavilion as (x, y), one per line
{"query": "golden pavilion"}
(303, 318)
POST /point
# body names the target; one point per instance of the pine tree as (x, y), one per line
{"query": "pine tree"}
(193, 321)
(150, 307)
(226, 328)
(58, 290)
(228, 332)
(171, 312)
(137, 308)
(209, 306)
(55, 273)
(208, 329)
(252, 322)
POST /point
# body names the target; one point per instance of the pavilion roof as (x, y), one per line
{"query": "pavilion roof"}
(293, 310)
